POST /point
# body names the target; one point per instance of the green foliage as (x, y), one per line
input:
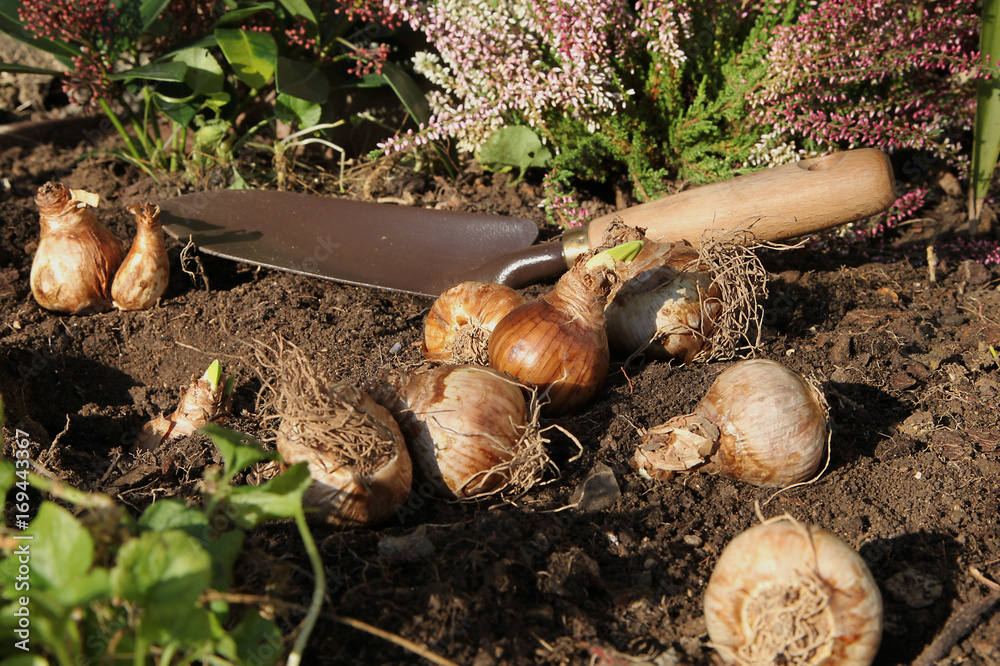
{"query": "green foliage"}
(106, 589)
(514, 146)
(687, 122)
(219, 79)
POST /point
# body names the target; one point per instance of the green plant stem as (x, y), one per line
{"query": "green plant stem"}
(113, 117)
(60, 490)
(986, 130)
(319, 588)
(168, 654)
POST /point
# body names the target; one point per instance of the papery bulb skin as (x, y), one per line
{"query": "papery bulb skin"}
(759, 423)
(666, 307)
(460, 322)
(787, 593)
(467, 427)
(557, 343)
(144, 274)
(357, 456)
(200, 404)
(77, 256)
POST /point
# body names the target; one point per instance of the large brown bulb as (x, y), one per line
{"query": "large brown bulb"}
(76, 258)
(557, 343)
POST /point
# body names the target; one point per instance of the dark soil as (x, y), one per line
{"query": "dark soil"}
(913, 480)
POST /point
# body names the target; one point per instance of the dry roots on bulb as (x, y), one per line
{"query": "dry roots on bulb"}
(687, 304)
(787, 593)
(461, 320)
(469, 428)
(557, 343)
(355, 451)
(77, 256)
(759, 422)
(206, 400)
(145, 272)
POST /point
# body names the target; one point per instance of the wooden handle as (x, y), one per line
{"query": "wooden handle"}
(781, 202)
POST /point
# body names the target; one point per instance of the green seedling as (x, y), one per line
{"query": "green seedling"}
(155, 587)
(624, 252)
(214, 377)
(996, 356)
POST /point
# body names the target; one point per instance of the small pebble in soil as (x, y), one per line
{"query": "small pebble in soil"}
(412, 547)
(598, 491)
(914, 588)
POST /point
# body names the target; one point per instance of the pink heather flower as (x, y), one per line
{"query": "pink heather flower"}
(501, 61)
(874, 73)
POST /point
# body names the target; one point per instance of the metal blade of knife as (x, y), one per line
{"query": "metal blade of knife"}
(399, 248)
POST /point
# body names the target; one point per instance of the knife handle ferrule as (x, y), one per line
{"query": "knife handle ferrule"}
(574, 242)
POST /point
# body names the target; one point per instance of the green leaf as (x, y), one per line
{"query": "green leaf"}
(24, 69)
(195, 629)
(172, 514)
(236, 455)
(514, 146)
(254, 640)
(150, 10)
(239, 15)
(986, 132)
(224, 551)
(204, 73)
(253, 55)
(8, 476)
(181, 112)
(290, 109)
(163, 570)
(79, 592)
(156, 71)
(301, 79)
(408, 92)
(213, 375)
(61, 549)
(279, 498)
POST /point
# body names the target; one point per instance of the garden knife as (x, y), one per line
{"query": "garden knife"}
(425, 251)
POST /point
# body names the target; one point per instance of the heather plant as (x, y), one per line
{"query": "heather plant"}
(863, 72)
(219, 72)
(697, 91)
(852, 73)
(650, 93)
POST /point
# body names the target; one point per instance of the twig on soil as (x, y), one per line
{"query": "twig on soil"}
(114, 463)
(961, 623)
(260, 600)
(52, 447)
(187, 255)
(984, 580)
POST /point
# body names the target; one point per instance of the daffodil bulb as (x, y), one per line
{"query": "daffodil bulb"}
(787, 593)
(760, 423)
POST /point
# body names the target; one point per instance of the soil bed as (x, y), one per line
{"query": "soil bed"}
(904, 362)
